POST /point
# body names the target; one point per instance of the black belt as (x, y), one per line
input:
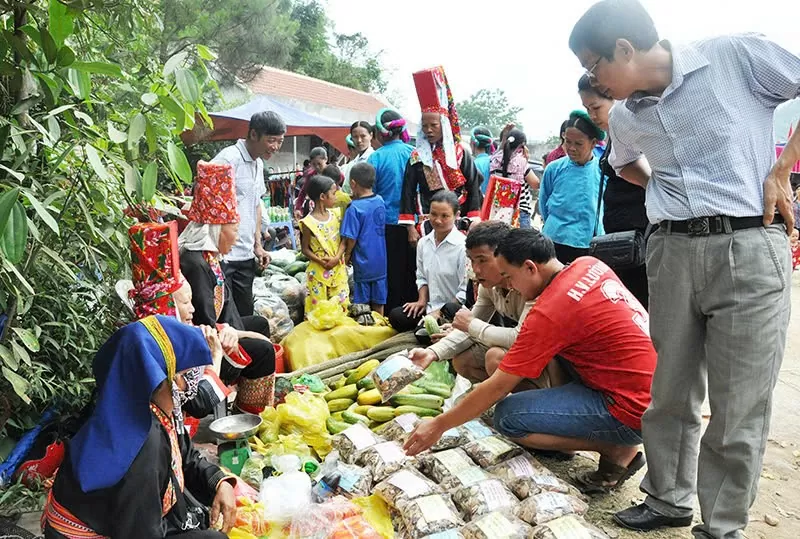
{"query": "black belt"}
(721, 224)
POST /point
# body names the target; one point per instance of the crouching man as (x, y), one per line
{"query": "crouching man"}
(586, 316)
(473, 343)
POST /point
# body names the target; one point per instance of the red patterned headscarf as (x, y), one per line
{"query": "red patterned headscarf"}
(155, 268)
(214, 201)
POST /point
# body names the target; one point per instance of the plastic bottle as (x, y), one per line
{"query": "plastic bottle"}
(326, 487)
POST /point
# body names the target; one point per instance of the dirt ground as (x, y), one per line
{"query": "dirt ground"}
(780, 476)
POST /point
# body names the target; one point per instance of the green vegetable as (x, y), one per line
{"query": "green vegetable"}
(431, 325)
(335, 427)
(296, 267)
(424, 401)
(420, 411)
(352, 417)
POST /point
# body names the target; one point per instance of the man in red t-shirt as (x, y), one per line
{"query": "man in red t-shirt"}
(585, 315)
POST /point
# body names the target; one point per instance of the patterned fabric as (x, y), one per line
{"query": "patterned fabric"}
(324, 243)
(795, 255)
(170, 498)
(156, 331)
(709, 137)
(517, 168)
(155, 268)
(256, 394)
(62, 521)
(442, 163)
(219, 288)
(214, 201)
(555, 155)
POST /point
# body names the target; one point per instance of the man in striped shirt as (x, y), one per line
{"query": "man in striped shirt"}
(718, 264)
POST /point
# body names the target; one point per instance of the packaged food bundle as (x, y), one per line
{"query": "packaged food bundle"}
(428, 515)
(491, 450)
(383, 459)
(450, 438)
(447, 534)
(496, 525)
(444, 465)
(547, 506)
(466, 478)
(353, 440)
(399, 428)
(476, 429)
(395, 373)
(355, 527)
(484, 497)
(526, 476)
(568, 528)
(404, 485)
(354, 481)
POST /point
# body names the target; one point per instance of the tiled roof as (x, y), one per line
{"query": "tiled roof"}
(276, 82)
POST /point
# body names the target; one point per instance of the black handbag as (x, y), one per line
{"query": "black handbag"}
(620, 250)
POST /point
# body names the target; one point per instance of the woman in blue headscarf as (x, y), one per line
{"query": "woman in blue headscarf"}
(131, 471)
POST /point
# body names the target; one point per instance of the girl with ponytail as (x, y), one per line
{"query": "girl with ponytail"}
(482, 146)
(511, 161)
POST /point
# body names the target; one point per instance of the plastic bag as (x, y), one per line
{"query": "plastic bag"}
(568, 527)
(450, 438)
(477, 429)
(491, 450)
(288, 494)
(318, 521)
(313, 382)
(405, 485)
(328, 314)
(395, 373)
(351, 442)
(399, 428)
(383, 459)
(291, 292)
(283, 257)
(439, 372)
(305, 414)
(267, 304)
(253, 470)
(307, 346)
(466, 478)
(377, 514)
(526, 476)
(484, 497)
(497, 525)
(354, 481)
(429, 514)
(250, 517)
(444, 465)
(270, 426)
(547, 506)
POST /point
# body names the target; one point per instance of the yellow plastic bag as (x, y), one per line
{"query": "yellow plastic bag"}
(329, 314)
(304, 415)
(377, 514)
(306, 346)
(270, 425)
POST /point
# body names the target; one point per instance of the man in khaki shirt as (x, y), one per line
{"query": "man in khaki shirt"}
(475, 346)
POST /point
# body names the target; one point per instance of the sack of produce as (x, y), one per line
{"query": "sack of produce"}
(484, 497)
(253, 470)
(466, 478)
(496, 525)
(399, 428)
(491, 450)
(526, 476)
(305, 415)
(395, 373)
(568, 527)
(477, 429)
(444, 465)
(383, 459)
(291, 292)
(353, 440)
(428, 515)
(547, 506)
(282, 257)
(269, 305)
(405, 485)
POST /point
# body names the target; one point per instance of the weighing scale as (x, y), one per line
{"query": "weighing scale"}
(232, 432)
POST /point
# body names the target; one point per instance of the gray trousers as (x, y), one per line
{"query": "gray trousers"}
(719, 311)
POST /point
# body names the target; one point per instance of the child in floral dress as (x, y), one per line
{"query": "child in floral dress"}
(322, 245)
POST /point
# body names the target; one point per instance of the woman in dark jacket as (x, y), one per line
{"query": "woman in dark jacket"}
(623, 202)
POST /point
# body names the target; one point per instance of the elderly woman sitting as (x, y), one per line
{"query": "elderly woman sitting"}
(131, 470)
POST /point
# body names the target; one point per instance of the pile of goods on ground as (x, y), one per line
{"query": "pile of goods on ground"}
(343, 443)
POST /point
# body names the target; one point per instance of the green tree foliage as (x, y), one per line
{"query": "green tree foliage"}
(89, 119)
(489, 108)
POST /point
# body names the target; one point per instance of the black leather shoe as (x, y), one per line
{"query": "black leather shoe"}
(644, 518)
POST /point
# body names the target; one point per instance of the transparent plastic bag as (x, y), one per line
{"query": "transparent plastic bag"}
(395, 373)
(444, 465)
(383, 459)
(288, 289)
(253, 470)
(465, 478)
(491, 450)
(269, 305)
(428, 515)
(567, 527)
(354, 481)
(286, 495)
(484, 497)
(399, 428)
(547, 506)
(526, 476)
(450, 438)
(477, 429)
(405, 485)
(351, 442)
(319, 521)
(497, 525)
(305, 414)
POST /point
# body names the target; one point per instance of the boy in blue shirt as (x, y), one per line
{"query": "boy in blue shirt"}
(363, 231)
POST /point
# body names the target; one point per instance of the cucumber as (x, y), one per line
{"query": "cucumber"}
(381, 413)
(338, 384)
(432, 388)
(366, 383)
(346, 392)
(423, 401)
(339, 405)
(352, 417)
(370, 396)
(420, 411)
(363, 370)
(413, 390)
(431, 325)
(362, 408)
(335, 427)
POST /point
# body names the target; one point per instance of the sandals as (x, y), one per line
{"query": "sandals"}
(596, 482)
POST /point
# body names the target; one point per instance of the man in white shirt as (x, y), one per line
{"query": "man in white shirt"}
(264, 138)
(474, 344)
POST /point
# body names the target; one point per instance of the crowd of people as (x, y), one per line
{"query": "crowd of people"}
(577, 340)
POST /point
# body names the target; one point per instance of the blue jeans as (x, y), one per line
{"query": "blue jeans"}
(572, 411)
(524, 220)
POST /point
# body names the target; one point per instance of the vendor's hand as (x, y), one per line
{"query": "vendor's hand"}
(778, 193)
(262, 256)
(413, 234)
(422, 357)
(444, 331)
(463, 319)
(298, 214)
(415, 309)
(214, 345)
(424, 436)
(224, 504)
(229, 338)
